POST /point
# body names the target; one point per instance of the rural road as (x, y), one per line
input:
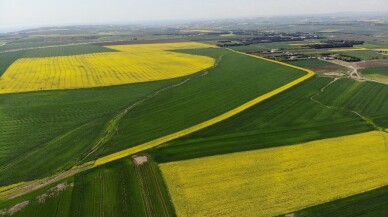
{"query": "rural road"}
(353, 73)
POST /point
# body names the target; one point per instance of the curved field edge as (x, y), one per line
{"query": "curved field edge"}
(278, 180)
(224, 116)
(32, 184)
(132, 64)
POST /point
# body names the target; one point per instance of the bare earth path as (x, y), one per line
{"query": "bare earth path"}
(148, 181)
(353, 73)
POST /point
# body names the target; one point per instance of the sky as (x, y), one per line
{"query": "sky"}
(36, 13)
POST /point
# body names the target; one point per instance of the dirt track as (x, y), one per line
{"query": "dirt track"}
(142, 164)
(353, 73)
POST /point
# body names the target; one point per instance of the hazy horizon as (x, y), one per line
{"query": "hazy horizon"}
(21, 14)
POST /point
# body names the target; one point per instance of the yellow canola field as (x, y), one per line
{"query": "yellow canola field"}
(278, 180)
(348, 49)
(134, 63)
(382, 49)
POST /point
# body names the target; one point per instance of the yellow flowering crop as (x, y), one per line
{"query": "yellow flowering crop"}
(150, 48)
(6, 188)
(348, 49)
(382, 49)
(135, 63)
(278, 180)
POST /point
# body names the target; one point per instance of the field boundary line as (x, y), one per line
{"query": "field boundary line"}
(212, 121)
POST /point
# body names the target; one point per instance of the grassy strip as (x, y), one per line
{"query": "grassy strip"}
(372, 203)
(52, 202)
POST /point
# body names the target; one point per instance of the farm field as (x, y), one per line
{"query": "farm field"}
(365, 54)
(155, 196)
(266, 46)
(368, 99)
(92, 124)
(110, 190)
(268, 182)
(7, 58)
(201, 98)
(368, 46)
(378, 77)
(318, 66)
(30, 128)
(298, 115)
(165, 109)
(378, 73)
(310, 63)
(50, 198)
(372, 64)
(348, 49)
(133, 64)
(377, 70)
(53, 201)
(372, 203)
(28, 45)
(120, 188)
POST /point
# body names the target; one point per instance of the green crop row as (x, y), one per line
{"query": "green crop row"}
(298, 115)
(120, 188)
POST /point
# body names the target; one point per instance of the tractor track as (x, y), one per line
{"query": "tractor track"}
(367, 120)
